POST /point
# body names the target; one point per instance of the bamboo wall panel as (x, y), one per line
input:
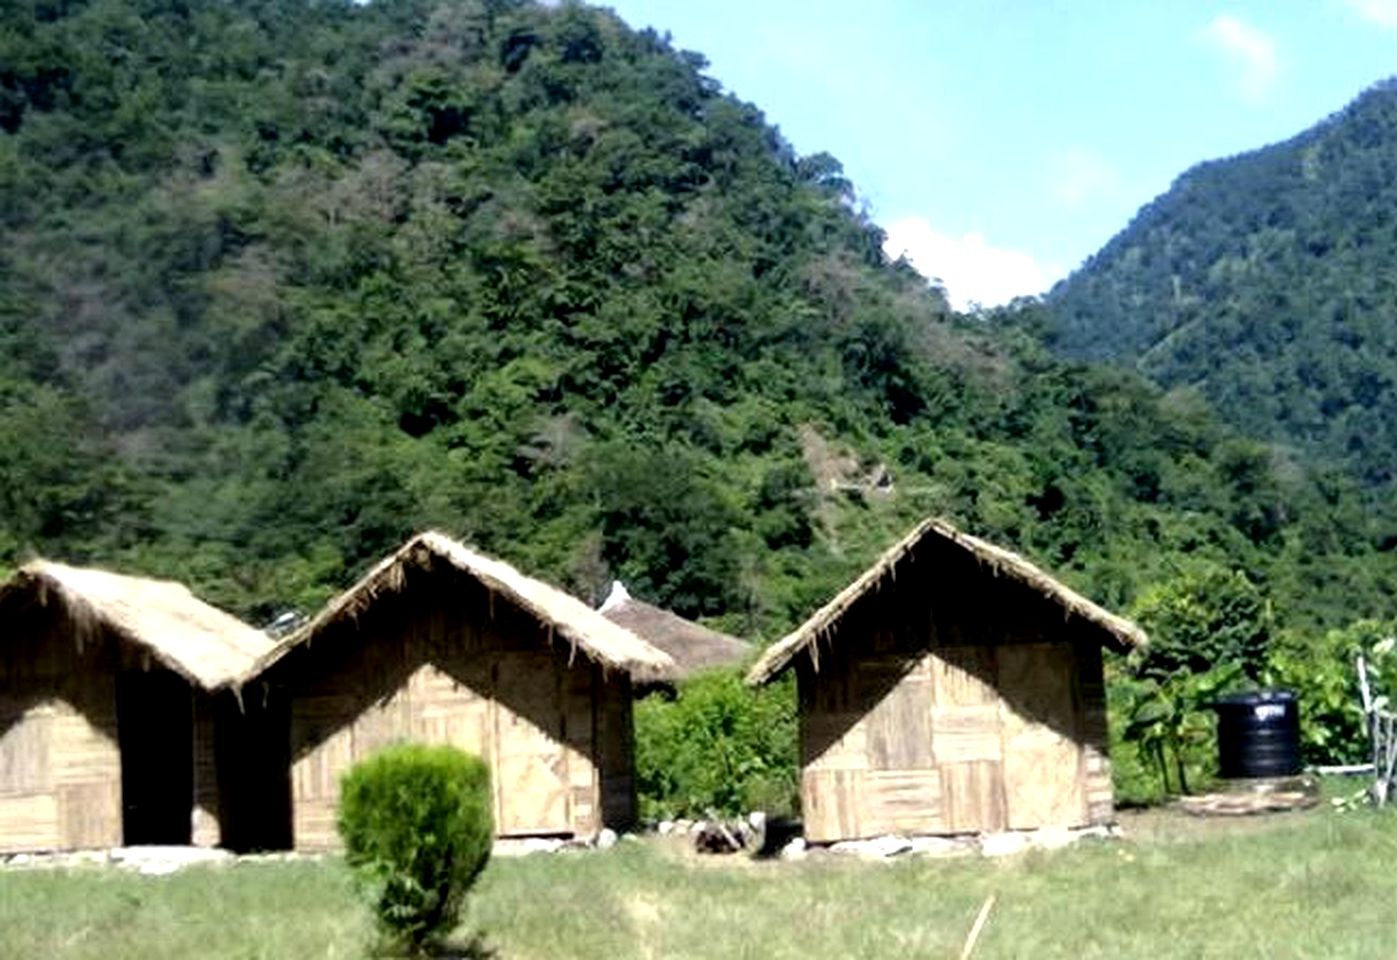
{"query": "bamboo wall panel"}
(61, 679)
(492, 688)
(831, 803)
(898, 729)
(315, 774)
(445, 709)
(615, 743)
(1004, 728)
(837, 741)
(90, 814)
(973, 796)
(30, 822)
(28, 798)
(531, 763)
(60, 780)
(24, 749)
(964, 676)
(1044, 777)
(578, 738)
(901, 801)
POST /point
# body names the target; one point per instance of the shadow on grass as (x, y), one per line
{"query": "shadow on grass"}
(474, 947)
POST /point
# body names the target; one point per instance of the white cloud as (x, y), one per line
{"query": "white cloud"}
(1078, 176)
(1380, 12)
(1250, 49)
(969, 268)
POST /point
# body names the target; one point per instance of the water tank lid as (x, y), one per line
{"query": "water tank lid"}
(1253, 697)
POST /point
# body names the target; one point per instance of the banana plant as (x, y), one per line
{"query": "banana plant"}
(1168, 716)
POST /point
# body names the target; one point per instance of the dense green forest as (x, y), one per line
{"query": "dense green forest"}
(282, 282)
(1268, 282)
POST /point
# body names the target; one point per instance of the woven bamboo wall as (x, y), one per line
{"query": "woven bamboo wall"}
(616, 749)
(486, 680)
(60, 770)
(974, 713)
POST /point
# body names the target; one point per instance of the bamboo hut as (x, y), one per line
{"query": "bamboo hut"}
(116, 725)
(693, 647)
(952, 688)
(440, 644)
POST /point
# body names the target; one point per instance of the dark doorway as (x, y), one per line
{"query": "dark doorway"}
(155, 731)
(254, 770)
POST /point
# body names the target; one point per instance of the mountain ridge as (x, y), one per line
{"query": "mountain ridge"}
(1265, 280)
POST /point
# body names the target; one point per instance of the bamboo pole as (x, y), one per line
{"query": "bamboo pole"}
(976, 927)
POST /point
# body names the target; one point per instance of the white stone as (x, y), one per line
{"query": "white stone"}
(1003, 844)
(794, 850)
(1053, 838)
(757, 820)
(160, 860)
(665, 828)
(877, 848)
(521, 847)
(606, 839)
(937, 847)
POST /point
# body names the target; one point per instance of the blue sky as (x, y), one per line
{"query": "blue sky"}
(1001, 142)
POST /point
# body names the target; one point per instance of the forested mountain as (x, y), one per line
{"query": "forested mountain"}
(282, 282)
(1268, 281)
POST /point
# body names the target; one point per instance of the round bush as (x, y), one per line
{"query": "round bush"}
(417, 828)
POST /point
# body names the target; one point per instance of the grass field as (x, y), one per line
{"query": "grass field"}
(1318, 885)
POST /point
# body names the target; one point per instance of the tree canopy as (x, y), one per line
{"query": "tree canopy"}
(281, 283)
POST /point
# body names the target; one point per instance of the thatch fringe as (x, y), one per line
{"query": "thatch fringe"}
(563, 616)
(209, 648)
(1115, 631)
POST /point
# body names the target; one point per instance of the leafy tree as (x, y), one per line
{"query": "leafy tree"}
(1205, 617)
(719, 747)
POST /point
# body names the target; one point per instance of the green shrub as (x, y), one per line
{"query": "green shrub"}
(417, 828)
(720, 746)
(1324, 675)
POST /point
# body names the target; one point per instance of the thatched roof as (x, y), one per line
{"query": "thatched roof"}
(692, 646)
(202, 643)
(562, 615)
(1113, 630)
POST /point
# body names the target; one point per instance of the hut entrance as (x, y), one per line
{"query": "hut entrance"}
(254, 772)
(155, 730)
(531, 763)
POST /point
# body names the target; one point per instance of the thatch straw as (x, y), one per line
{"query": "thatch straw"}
(692, 646)
(201, 643)
(1114, 630)
(563, 616)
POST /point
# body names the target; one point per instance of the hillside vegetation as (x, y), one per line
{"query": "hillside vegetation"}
(1268, 282)
(282, 282)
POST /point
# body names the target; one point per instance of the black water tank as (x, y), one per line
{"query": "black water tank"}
(1258, 734)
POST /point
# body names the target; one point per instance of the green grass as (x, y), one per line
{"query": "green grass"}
(1314, 886)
